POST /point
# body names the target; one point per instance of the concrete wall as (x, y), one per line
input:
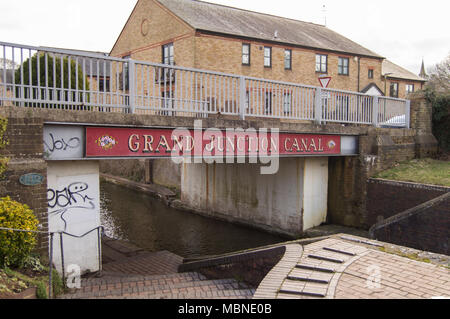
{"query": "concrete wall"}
(288, 202)
(158, 171)
(74, 208)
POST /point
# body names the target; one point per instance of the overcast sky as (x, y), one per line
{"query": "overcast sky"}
(404, 31)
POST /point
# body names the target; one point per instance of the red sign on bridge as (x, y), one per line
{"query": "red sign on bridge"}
(104, 142)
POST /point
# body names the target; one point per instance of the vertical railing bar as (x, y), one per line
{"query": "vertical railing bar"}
(117, 66)
(84, 81)
(153, 100)
(98, 84)
(148, 87)
(69, 76)
(63, 94)
(76, 80)
(46, 75)
(50, 268)
(91, 92)
(22, 88)
(99, 239)
(62, 258)
(13, 82)
(4, 69)
(143, 103)
(38, 79)
(111, 94)
(55, 92)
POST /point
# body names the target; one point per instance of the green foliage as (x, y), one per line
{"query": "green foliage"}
(41, 291)
(60, 75)
(426, 171)
(441, 117)
(32, 262)
(57, 283)
(16, 246)
(3, 143)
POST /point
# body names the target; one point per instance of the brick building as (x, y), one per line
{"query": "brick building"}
(400, 82)
(224, 39)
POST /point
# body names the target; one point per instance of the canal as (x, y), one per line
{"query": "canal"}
(150, 224)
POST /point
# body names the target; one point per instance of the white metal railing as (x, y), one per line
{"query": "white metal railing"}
(101, 83)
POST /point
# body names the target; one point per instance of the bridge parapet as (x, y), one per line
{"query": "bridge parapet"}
(111, 85)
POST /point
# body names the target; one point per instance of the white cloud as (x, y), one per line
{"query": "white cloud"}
(403, 31)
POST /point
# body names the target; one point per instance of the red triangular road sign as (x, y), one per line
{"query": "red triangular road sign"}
(325, 81)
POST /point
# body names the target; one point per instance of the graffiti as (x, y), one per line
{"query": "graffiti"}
(61, 144)
(70, 197)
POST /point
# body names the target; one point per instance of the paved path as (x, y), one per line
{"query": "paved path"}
(340, 267)
(132, 273)
(347, 267)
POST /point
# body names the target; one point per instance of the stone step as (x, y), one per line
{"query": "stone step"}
(326, 258)
(114, 278)
(347, 253)
(302, 293)
(315, 268)
(213, 294)
(308, 279)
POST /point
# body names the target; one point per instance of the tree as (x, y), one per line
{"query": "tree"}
(439, 79)
(438, 93)
(57, 79)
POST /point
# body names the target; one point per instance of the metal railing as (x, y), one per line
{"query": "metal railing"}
(76, 80)
(100, 231)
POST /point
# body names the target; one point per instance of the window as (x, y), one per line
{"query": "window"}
(343, 66)
(393, 90)
(103, 84)
(370, 74)
(267, 57)
(409, 88)
(321, 63)
(168, 54)
(287, 106)
(288, 59)
(246, 54)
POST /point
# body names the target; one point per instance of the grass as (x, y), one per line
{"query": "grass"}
(424, 171)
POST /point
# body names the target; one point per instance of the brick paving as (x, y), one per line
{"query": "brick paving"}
(131, 273)
(340, 267)
(348, 267)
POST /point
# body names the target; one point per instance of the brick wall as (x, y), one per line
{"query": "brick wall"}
(25, 152)
(389, 198)
(425, 227)
(249, 267)
(224, 54)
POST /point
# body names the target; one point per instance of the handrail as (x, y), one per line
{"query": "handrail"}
(100, 231)
(125, 85)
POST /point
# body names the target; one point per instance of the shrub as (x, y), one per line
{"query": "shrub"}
(16, 246)
(41, 291)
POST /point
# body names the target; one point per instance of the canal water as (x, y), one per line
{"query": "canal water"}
(150, 224)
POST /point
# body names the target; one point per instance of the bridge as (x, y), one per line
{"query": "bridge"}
(283, 157)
